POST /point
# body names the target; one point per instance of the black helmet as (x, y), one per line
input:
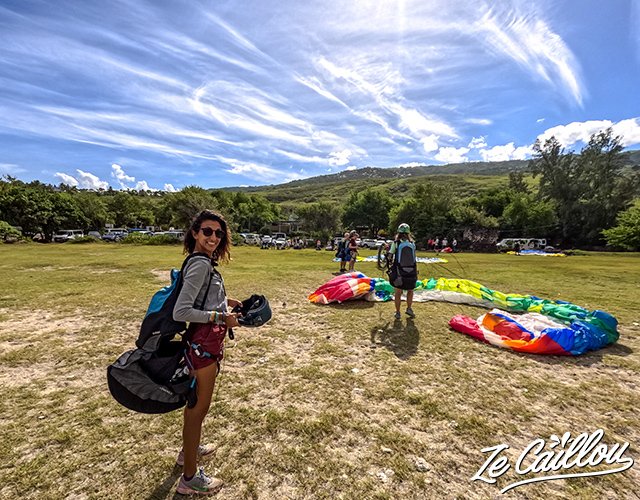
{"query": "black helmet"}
(255, 311)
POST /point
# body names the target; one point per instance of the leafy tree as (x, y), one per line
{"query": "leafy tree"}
(588, 189)
(517, 183)
(126, 209)
(606, 191)
(187, 203)
(428, 210)
(626, 234)
(93, 208)
(36, 207)
(527, 216)
(467, 216)
(321, 219)
(492, 201)
(369, 208)
(252, 212)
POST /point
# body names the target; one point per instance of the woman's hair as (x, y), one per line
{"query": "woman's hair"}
(403, 236)
(222, 251)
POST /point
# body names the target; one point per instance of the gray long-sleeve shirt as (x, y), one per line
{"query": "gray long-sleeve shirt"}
(196, 279)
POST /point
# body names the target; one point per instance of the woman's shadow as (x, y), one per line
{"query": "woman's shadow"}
(166, 489)
(401, 340)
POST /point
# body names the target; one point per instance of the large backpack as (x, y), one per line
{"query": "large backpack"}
(404, 270)
(154, 378)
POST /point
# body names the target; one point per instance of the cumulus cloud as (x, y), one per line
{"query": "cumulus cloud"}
(575, 132)
(127, 181)
(505, 152)
(82, 180)
(452, 155)
(477, 143)
(169, 188)
(430, 143)
(67, 179)
(122, 178)
(339, 158)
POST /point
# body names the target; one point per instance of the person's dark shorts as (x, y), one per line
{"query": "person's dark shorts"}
(402, 282)
(209, 338)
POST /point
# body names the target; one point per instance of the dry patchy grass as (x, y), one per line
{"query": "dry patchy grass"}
(335, 401)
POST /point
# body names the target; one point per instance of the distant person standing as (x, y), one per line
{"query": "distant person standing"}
(403, 273)
(343, 253)
(436, 244)
(445, 242)
(353, 250)
(517, 248)
(454, 245)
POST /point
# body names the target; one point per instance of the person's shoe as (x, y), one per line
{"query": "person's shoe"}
(410, 313)
(397, 315)
(203, 451)
(200, 484)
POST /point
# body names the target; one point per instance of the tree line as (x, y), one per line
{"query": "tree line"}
(580, 200)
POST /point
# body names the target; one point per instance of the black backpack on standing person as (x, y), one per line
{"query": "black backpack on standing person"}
(154, 378)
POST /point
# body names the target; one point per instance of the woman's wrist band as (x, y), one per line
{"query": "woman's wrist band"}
(217, 318)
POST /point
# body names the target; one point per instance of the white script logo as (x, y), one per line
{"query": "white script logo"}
(561, 454)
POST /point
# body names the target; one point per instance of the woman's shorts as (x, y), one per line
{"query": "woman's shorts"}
(209, 338)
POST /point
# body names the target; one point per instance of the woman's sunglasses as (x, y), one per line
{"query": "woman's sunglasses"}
(207, 231)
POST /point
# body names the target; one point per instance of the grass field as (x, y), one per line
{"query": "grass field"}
(323, 402)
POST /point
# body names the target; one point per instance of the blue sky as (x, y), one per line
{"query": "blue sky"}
(165, 94)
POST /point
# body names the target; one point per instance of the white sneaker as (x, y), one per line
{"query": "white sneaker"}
(200, 484)
(203, 451)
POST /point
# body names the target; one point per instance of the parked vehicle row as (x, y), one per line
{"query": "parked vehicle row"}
(113, 234)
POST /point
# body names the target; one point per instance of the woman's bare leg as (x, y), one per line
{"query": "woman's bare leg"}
(193, 417)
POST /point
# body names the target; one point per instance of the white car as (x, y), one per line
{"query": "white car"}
(252, 239)
(369, 243)
(67, 235)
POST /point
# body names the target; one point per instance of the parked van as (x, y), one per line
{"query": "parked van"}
(507, 244)
(67, 235)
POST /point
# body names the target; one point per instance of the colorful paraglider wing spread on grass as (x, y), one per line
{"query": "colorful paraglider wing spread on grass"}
(540, 327)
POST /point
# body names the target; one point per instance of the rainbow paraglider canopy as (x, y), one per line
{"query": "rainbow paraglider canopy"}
(523, 323)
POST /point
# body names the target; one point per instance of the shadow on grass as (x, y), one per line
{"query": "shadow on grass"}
(587, 359)
(163, 490)
(350, 304)
(401, 340)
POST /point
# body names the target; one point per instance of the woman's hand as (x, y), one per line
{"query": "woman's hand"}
(231, 320)
(233, 303)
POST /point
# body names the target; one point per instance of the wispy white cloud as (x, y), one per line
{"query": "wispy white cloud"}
(314, 84)
(531, 43)
(259, 173)
(11, 169)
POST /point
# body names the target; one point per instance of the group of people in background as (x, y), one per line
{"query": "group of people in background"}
(442, 245)
(348, 251)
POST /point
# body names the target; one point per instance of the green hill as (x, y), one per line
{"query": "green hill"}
(467, 179)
